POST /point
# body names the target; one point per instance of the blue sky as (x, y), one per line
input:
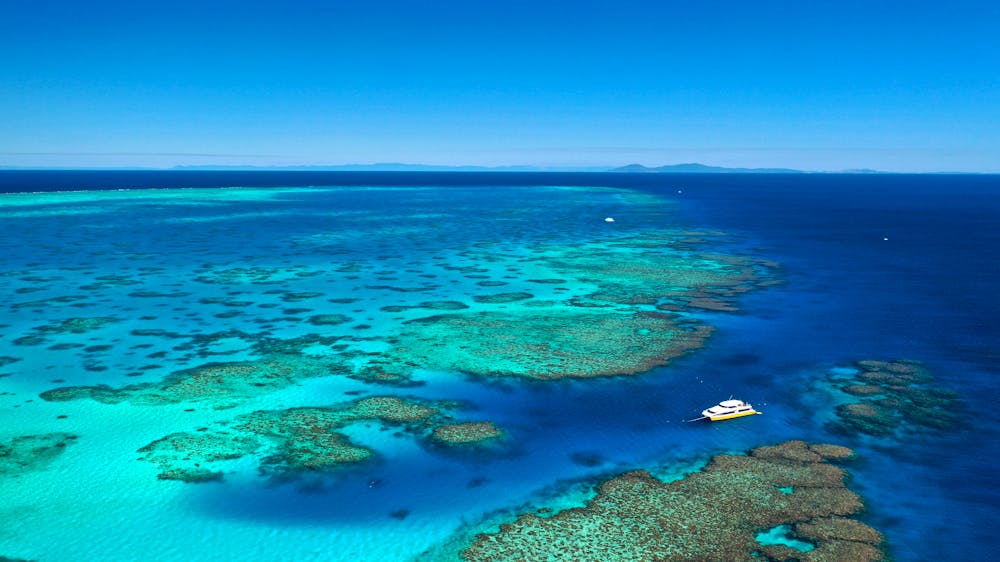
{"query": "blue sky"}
(902, 86)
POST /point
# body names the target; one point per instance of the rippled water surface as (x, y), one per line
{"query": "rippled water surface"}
(220, 333)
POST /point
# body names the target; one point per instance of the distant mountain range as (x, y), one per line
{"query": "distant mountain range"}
(690, 168)
(399, 167)
(694, 168)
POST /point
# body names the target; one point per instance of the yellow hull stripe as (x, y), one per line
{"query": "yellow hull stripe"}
(731, 416)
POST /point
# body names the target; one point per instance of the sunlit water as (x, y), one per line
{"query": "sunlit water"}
(873, 268)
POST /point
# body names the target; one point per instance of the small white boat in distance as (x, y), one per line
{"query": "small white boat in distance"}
(609, 219)
(728, 409)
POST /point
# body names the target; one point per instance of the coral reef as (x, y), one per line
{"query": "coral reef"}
(76, 325)
(295, 441)
(573, 334)
(464, 433)
(393, 409)
(6, 360)
(292, 296)
(29, 453)
(502, 298)
(651, 269)
(600, 329)
(429, 305)
(443, 305)
(377, 373)
(222, 385)
(247, 275)
(43, 304)
(196, 449)
(38, 334)
(714, 514)
(895, 396)
(551, 344)
(328, 319)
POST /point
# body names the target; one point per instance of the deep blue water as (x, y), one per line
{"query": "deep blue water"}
(875, 267)
(928, 292)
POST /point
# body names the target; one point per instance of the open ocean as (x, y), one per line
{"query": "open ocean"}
(129, 278)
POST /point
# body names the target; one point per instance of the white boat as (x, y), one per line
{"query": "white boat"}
(728, 409)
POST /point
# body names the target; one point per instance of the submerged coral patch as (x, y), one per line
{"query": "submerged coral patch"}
(222, 385)
(50, 302)
(294, 441)
(715, 514)
(889, 396)
(76, 325)
(392, 408)
(464, 433)
(246, 275)
(160, 294)
(443, 305)
(597, 318)
(196, 449)
(652, 269)
(550, 344)
(6, 360)
(502, 298)
(30, 453)
(300, 296)
(378, 373)
(329, 319)
(81, 325)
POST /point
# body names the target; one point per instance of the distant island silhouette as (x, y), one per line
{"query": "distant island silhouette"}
(696, 168)
(686, 168)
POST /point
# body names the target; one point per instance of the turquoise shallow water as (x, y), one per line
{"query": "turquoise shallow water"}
(234, 266)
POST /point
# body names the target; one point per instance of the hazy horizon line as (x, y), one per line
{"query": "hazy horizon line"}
(505, 168)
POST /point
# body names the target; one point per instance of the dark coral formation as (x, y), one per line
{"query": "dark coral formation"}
(377, 373)
(246, 275)
(223, 385)
(47, 303)
(80, 325)
(604, 325)
(465, 433)
(29, 453)
(429, 305)
(329, 319)
(549, 344)
(393, 409)
(894, 395)
(295, 441)
(651, 269)
(291, 296)
(596, 317)
(443, 305)
(76, 325)
(714, 514)
(502, 298)
(180, 456)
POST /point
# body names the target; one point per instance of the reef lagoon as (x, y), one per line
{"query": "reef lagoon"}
(480, 366)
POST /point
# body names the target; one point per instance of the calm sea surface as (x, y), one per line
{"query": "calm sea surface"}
(872, 267)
